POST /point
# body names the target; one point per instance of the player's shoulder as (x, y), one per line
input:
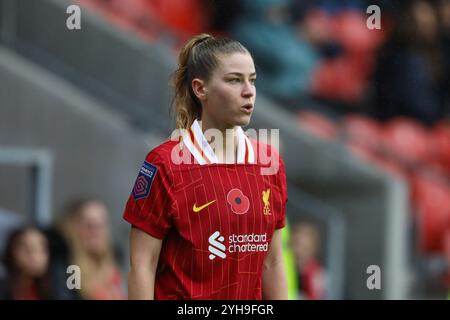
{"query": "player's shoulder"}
(268, 157)
(161, 154)
(262, 149)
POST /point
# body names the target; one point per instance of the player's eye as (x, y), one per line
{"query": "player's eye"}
(234, 80)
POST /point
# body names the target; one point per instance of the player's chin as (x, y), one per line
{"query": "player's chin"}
(243, 120)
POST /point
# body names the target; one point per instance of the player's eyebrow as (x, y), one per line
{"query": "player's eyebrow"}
(239, 73)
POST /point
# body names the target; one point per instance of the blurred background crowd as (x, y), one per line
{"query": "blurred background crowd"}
(382, 95)
(36, 259)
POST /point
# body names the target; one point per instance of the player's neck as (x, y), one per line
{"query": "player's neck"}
(226, 151)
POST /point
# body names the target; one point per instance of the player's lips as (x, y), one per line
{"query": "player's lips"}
(247, 108)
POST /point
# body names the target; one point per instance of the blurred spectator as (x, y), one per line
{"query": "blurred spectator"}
(284, 61)
(9, 221)
(306, 243)
(409, 69)
(338, 30)
(86, 227)
(59, 262)
(316, 19)
(223, 14)
(315, 24)
(26, 259)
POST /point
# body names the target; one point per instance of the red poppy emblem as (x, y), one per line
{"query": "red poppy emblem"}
(238, 202)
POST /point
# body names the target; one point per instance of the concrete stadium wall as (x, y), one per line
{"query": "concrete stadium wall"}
(95, 153)
(127, 73)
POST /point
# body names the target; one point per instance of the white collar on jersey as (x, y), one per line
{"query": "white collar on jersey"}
(199, 147)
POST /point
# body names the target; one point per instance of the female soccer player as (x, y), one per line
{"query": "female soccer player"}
(205, 221)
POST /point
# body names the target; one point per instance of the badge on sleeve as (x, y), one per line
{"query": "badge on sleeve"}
(144, 181)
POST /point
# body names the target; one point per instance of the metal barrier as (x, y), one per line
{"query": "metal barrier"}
(302, 205)
(40, 163)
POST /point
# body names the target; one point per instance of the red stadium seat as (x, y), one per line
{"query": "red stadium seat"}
(347, 28)
(95, 5)
(141, 13)
(184, 17)
(338, 79)
(447, 257)
(441, 145)
(432, 223)
(133, 15)
(345, 78)
(407, 140)
(387, 165)
(363, 130)
(318, 125)
(447, 244)
(432, 201)
(350, 29)
(360, 151)
(365, 136)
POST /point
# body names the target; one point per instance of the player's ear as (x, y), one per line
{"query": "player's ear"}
(199, 89)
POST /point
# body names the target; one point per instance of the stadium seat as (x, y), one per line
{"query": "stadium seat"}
(446, 279)
(184, 17)
(318, 125)
(447, 244)
(407, 140)
(350, 29)
(370, 155)
(94, 5)
(133, 15)
(345, 78)
(362, 130)
(141, 12)
(432, 201)
(441, 145)
(338, 79)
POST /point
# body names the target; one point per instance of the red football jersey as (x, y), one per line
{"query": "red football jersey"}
(216, 220)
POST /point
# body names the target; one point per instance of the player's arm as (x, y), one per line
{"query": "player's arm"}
(144, 255)
(274, 274)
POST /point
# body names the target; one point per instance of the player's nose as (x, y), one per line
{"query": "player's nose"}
(248, 90)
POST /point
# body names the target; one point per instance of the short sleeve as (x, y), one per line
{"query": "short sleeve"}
(281, 221)
(149, 206)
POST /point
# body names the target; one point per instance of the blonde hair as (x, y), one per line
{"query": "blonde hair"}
(94, 271)
(197, 59)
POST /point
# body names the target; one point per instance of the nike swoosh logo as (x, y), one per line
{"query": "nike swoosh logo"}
(198, 209)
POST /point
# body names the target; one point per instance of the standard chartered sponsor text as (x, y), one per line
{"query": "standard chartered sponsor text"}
(247, 243)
